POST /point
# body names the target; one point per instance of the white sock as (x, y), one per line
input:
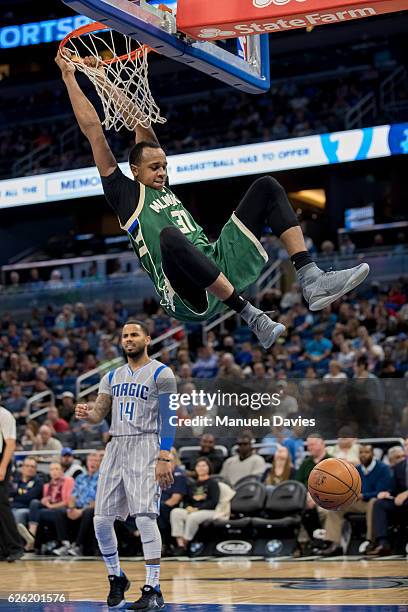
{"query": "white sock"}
(112, 564)
(152, 575)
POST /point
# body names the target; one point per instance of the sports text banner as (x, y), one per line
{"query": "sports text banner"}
(40, 31)
(228, 19)
(215, 164)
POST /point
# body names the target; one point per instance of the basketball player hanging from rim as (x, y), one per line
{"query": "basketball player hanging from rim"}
(194, 278)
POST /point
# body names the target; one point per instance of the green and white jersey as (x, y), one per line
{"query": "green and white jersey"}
(156, 210)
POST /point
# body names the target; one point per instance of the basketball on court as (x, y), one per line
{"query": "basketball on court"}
(334, 484)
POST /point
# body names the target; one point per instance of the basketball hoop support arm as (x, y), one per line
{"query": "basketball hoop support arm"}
(147, 25)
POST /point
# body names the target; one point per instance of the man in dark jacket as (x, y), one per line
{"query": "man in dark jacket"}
(26, 487)
(390, 507)
(207, 449)
(375, 477)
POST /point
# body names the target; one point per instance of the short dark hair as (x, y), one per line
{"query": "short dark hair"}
(362, 361)
(315, 434)
(136, 152)
(140, 323)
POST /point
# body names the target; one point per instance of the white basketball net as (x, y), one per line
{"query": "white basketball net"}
(119, 71)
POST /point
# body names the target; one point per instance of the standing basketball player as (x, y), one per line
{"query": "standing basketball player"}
(195, 278)
(137, 461)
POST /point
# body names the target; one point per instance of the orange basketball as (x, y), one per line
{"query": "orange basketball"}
(334, 484)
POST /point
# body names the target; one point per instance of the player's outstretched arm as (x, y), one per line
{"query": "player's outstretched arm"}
(87, 118)
(94, 413)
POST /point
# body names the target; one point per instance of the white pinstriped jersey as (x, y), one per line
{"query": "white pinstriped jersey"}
(135, 397)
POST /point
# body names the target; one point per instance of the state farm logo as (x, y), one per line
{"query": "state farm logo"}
(264, 3)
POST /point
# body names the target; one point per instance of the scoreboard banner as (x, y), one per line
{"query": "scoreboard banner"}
(215, 164)
(233, 18)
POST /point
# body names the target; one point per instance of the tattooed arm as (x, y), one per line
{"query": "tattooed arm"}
(95, 412)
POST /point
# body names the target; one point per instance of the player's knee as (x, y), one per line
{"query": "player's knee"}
(270, 184)
(170, 237)
(102, 523)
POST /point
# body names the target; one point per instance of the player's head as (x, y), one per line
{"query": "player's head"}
(135, 339)
(148, 163)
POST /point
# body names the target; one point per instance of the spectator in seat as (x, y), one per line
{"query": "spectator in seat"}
(375, 477)
(319, 348)
(54, 361)
(86, 433)
(67, 407)
(281, 468)
(81, 507)
(200, 503)
(291, 297)
(207, 449)
(395, 454)
(245, 463)
(288, 404)
(229, 369)
(26, 488)
(54, 420)
(17, 403)
(206, 365)
(52, 506)
(335, 372)
(71, 466)
(346, 447)
(314, 515)
(391, 507)
(172, 497)
(45, 442)
(30, 435)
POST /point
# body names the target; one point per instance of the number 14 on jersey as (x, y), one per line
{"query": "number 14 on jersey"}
(127, 410)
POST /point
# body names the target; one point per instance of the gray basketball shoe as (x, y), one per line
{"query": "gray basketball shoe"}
(260, 323)
(330, 286)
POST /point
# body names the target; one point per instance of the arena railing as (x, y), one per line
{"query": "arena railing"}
(188, 449)
(391, 87)
(72, 269)
(384, 264)
(100, 371)
(34, 399)
(377, 442)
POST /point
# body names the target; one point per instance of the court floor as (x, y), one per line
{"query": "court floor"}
(223, 585)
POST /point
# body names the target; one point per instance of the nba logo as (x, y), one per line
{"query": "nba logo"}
(242, 47)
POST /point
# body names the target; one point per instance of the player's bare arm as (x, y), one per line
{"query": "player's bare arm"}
(145, 134)
(94, 413)
(87, 118)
